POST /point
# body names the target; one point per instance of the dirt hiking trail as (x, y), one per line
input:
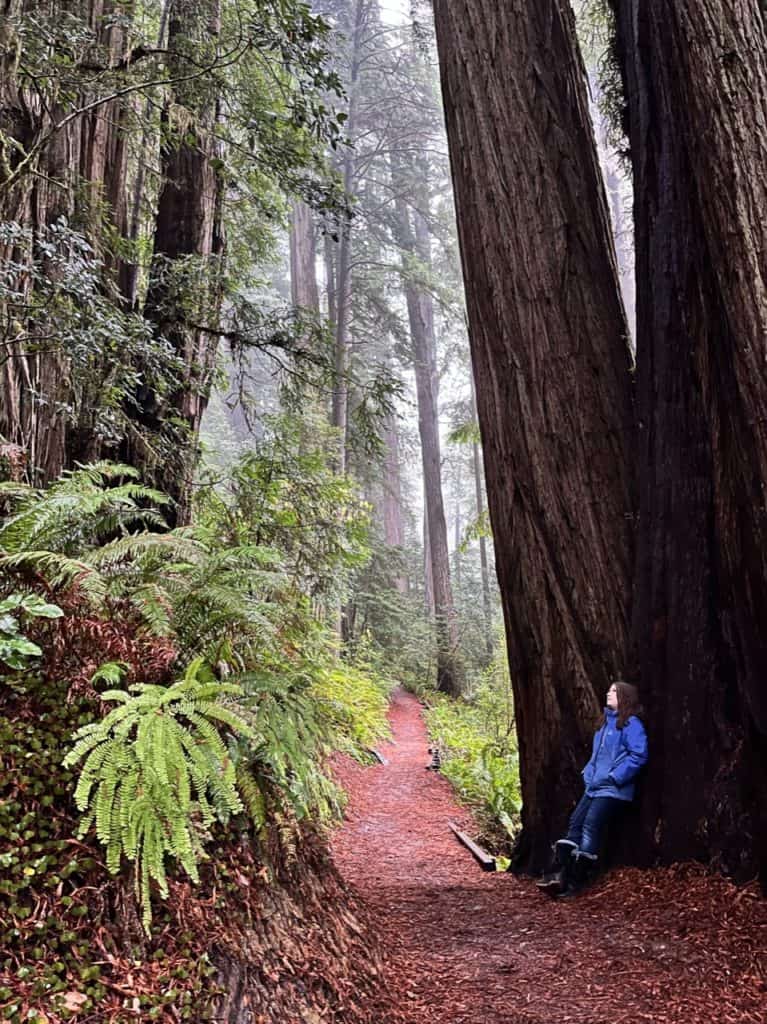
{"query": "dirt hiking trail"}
(666, 946)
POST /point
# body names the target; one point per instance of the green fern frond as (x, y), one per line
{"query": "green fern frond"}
(252, 795)
(154, 767)
(81, 508)
(60, 571)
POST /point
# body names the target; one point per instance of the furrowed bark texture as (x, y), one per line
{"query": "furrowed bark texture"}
(696, 84)
(79, 175)
(551, 363)
(184, 295)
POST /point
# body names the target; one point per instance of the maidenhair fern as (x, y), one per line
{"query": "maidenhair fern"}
(157, 771)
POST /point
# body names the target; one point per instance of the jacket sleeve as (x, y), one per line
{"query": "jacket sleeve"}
(634, 753)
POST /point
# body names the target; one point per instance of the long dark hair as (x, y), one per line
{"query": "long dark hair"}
(628, 702)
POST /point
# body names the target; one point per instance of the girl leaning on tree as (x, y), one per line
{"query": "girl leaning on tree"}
(618, 752)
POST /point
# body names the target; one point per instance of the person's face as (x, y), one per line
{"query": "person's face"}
(612, 698)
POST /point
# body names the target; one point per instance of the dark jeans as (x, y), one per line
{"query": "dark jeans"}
(588, 820)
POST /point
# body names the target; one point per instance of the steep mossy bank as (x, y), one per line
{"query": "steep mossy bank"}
(270, 935)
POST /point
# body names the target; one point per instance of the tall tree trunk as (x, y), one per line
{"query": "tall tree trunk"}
(184, 295)
(412, 234)
(343, 279)
(616, 181)
(129, 278)
(696, 85)
(394, 532)
(551, 363)
(622, 233)
(103, 170)
(480, 503)
(457, 530)
(421, 319)
(428, 579)
(36, 382)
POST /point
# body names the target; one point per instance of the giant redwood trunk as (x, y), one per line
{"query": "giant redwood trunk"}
(184, 295)
(696, 85)
(552, 370)
(76, 172)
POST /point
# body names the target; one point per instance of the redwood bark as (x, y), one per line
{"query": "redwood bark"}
(188, 225)
(39, 395)
(552, 368)
(696, 85)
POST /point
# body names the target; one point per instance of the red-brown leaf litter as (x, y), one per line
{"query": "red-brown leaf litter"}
(668, 946)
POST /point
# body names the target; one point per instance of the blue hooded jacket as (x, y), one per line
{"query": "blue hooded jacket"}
(616, 757)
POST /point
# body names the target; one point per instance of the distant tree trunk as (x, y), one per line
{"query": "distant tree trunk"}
(104, 169)
(184, 296)
(343, 279)
(457, 528)
(696, 85)
(480, 503)
(303, 274)
(615, 179)
(394, 532)
(622, 233)
(129, 281)
(551, 363)
(414, 240)
(428, 579)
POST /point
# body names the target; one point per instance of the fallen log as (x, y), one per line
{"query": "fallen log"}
(486, 862)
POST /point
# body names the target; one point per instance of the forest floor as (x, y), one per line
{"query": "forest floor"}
(668, 946)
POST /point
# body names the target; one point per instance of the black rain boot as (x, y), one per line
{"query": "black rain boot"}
(583, 868)
(555, 882)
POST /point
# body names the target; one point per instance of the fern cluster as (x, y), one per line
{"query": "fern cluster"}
(354, 701)
(166, 762)
(80, 510)
(294, 739)
(157, 772)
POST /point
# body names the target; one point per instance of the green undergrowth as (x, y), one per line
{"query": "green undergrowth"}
(73, 946)
(62, 924)
(355, 701)
(165, 729)
(477, 743)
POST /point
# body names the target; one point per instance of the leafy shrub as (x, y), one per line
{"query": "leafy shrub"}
(354, 701)
(171, 760)
(16, 649)
(477, 740)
